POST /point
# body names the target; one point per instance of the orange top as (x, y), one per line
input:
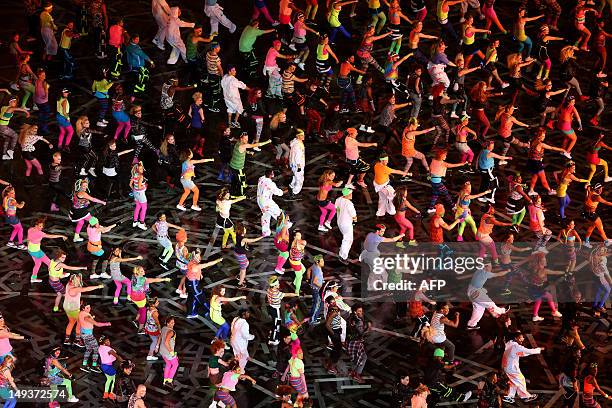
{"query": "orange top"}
(408, 144)
(435, 233)
(486, 225)
(588, 387)
(437, 168)
(381, 173)
(591, 201)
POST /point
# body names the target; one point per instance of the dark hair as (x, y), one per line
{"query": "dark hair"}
(269, 172)
(242, 312)
(169, 319)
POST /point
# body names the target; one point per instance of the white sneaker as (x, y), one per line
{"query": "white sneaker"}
(454, 115)
(588, 244)
(257, 149)
(370, 130)
(73, 399)
(505, 85)
(196, 208)
(92, 171)
(135, 224)
(10, 153)
(15, 87)
(322, 228)
(350, 185)
(292, 47)
(532, 193)
(537, 319)
(100, 124)
(152, 358)
(94, 276)
(35, 108)
(6, 157)
(302, 66)
(362, 128)
(557, 314)
(607, 179)
(328, 225)
(180, 207)
(33, 280)
(83, 172)
(467, 396)
(566, 154)
(183, 295)
(142, 226)
(502, 162)
(178, 291)
(105, 275)
(105, 121)
(552, 191)
(11, 244)
(77, 238)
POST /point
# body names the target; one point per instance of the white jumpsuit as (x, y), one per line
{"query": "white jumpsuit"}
(297, 162)
(161, 14)
(231, 86)
(240, 340)
(345, 213)
(173, 36)
(266, 190)
(510, 363)
(215, 12)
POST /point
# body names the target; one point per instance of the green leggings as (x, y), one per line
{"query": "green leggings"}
(470, 221)
(226, 233)
(167, 254)
(109, 385)
(378, 21)
(67, 383)
(395, 46)
(28, 90)
(297, 282)
(517, 218)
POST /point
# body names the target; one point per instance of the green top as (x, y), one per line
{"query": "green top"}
(101, 86)
(295, 366)
(238, 157)
(5, 117)
(248, 37)
(213, 362)
(191, 48)
(334, 20)
(60, 101)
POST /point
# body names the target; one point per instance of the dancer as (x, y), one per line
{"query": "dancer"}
(514, 350)
(599, 266)
(506, 122)
(88, 157)
(535, 158)
(463, 211)
(486, 165)
(140, 288)
(408, 140)
(590, 385)
(358, 167)
(195, 292)
(56, 272)
(153, 328)
(402, 205)
(237, 162)
(297, 163)
(214, 12)
(87, 323)
(240, 252)
(27, 139)
(274, 298)
(515, 206)
(9, 135)
(168, 351)
(161, 13)
(327, 208)
(565, 114)
(52, 370)
(216, 301)
(281, 242)
(296, 254)
(479, 296)
(72, 307)
(437, 173)
(564, 178)
(187, 173)
(241, 337)
(35, 236)
(568, 236)
(537, 286)
(461, 142)
(591, 201)
(266, 190)
(173, 35)
(228, 384)
(160, 228)
(108, 356)
(536, 224)
(114, 263)
(94, 246)
(386, 193)
(10, 206)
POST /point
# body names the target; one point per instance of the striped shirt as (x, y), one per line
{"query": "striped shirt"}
(55, 171)
(336, 323)
(275, 296)
(288, 86)
(212, 63)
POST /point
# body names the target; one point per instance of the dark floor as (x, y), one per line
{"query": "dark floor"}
(27, 308)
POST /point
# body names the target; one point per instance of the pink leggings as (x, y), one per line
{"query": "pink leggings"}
(467, 156)
(121, 126)
(17, 232)
(65, 130)
(119, 285)
(264, 11)
(328, 211)
(170, 367)
(141, 209)
(142, 315)
(536, 305)
(486, 244)
(36, 164)
(80, 224)
(38, 263)
(404, 224)
(483, 122)
(421, 14)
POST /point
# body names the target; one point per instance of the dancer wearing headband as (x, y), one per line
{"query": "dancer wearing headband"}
(72, 305)
(87, 322)
(80, 206)
(35, 237)
(94, 246)
(56, 272)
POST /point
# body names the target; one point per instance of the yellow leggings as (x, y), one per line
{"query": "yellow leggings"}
(593, 167)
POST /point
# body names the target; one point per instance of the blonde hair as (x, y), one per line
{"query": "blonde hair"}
(512, 60)
(275, 121)
(79, 123)
(325, 175)
(566, 53)
(26, 130)
(196, 96)
(138, 271)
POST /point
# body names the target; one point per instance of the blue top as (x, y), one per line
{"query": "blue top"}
(196, 120)
(136, 57)
(479, 278)
(371, 242)
(211, 2)
(317, 275)
(484, 162)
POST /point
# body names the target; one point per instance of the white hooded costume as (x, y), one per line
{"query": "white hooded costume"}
(510, 362)
(173, 36)
(297, 162)
(231, 93)
(240, 340)
(266, 190)
(215, 12)
(345, 212)
(161, 14)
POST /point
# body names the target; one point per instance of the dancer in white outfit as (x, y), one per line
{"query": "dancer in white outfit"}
(297, 162)
(241, 337)
(386, 193)
(173, 36)
(510, 362)
(231, 93)
(161, 14)
(215, 12)
(266, 190)
(479, 296)
(345, 217)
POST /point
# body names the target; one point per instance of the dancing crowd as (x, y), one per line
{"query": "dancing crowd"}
(515, 102)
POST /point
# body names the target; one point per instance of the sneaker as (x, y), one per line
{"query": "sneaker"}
(292, 47)
(6, 157)
(566, 154)
(431, 210)
(537, 319)
(83, 172)
(84, 368)
(56, 309)
(453, 115)
(533, 397)
(588, 244)
(552, 191)
(556, 313)
(467, 396)
(322, 228)
(105, 275)
(362, 128)
(178, 291)
(192, 316)
(183, 295)
(483, 199)
(196, 208)
(22, 247)
(504, 85)
(180, 207)
(608, 179)
(152, 358)
(275, 23)
(508, 400)
(214, 110)
(92, 171)
(142, 226)
(400, 244)
(473, 327)
(11, 244)
(502, 162)
(344, 110)
(328, 225)
(100, 124)
(95, 369)
(94, 276)
(10, 153)
(532, 193)
(257, 149)
(115, 301)
(77, 238)
(301, 66)
(350, 185)
(279, 271)
(135, 224)
(67, 341)
(73, 399)
(15, 87)
(413, 242)
(370, 130)
(35, 280)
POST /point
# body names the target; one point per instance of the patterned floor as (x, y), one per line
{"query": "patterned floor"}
(27, 308)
